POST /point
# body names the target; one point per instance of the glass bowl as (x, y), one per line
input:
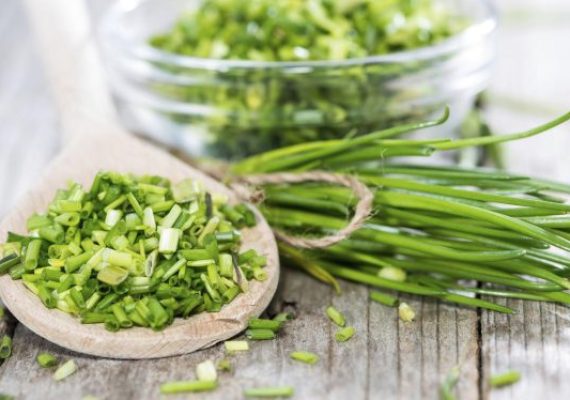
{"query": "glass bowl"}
(234, 108)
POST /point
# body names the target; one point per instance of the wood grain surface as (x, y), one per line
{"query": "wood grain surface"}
(387, 359)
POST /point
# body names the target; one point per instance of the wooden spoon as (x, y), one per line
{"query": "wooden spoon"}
(98, 144)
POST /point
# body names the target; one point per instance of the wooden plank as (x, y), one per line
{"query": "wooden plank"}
(365, 367)
(536, 339)
(410, 360)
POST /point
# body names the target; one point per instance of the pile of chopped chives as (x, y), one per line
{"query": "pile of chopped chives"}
(134, 251)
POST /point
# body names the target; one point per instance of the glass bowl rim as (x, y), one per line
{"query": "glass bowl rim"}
(145, 52)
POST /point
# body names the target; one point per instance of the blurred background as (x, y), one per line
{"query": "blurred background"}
(530, 85)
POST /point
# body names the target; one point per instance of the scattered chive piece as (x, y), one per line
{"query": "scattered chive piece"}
(344, 334)
(258, 323)
(206, 371)
(269, 392)
(505, 379)
(187, 386)
(260, 334)
(384, 298)
(233, 346)
(336, 316)
(305, 356)
(406, 313)
(5, 347)
(46, 360)
(66, 369)
(4, 396)
(283, 317)
(392, 274)
(447, 386)
(225, 365)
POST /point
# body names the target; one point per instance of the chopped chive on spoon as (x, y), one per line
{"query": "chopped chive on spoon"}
(95, 142)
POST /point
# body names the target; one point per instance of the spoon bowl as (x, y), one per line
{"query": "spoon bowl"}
(80, 161)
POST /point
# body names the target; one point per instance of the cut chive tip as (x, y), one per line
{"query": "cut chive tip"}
(224, 365)
(505, 379)
(406, 313)
(259, 323)
(187, 386)
(269, 392)
(234, 346)
(283, 317)
(66, 369)
(5, 347)
(344, 334)
(260, 334)
(305, 357)
(46, 360)
(384, 299)
(206, 371)
(335, 316)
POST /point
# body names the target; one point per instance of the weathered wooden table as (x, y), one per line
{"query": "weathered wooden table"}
(387, 358)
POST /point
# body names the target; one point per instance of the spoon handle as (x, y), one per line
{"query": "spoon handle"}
(73, 67)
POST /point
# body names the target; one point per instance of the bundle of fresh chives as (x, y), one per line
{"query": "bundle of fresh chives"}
(433, 230)
(134, 251)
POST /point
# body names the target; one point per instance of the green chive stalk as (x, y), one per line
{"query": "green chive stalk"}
(438, 231)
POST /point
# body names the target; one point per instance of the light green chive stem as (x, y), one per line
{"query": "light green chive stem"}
(233, 346)
(305, 357)
(384, 298)
(259, 323)
(335, 316)
(504, 379)
(224, 365)
(187, 386)
(46, 360)
(206, 371)
(406, 313)
(344, 334)
(269, 392)
(260, 334)
(5, 347)
(65, 370)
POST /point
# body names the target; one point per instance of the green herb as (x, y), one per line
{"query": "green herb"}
(224, 365)
(344, 334)
(125, 253)
(187, 386)
(384, 298)
(392, 273)
(5, 347)
(283, 317)
(260, 334)
(309, 30)
(505, 379)
(305, 357)
(447, 387)
(406, 313)
(335, 316)
(442, 226)
(46, 360)
(255, 109)
(4, 396)
(269, 392)
(233, 346)
(206, 371)
(259, 323)
(65, 370)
